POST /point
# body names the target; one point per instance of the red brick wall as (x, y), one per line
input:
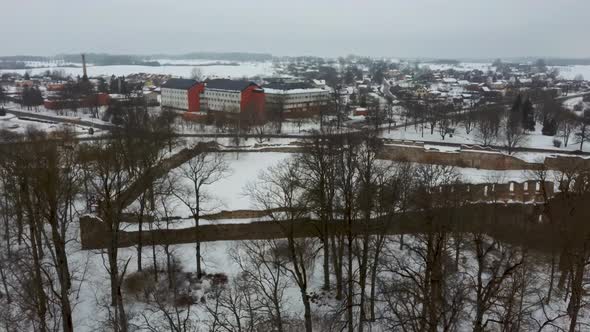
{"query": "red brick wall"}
(194, 97)
(251, 99)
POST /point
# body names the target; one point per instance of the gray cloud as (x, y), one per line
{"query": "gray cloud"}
(426, 28)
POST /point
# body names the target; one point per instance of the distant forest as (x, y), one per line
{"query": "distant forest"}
(104, 59)
(229, 56)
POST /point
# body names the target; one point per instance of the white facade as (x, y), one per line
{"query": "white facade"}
(297, 99)
(175, 98)
(222, 100)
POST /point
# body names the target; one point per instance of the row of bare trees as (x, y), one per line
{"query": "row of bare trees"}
(498, 125)
(39, 188)
(436, 279)
(442, 279)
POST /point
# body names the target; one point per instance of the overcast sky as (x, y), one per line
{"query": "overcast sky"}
(392, 28)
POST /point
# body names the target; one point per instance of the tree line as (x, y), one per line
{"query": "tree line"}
(345, 279)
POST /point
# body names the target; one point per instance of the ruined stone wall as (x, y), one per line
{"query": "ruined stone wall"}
(567, 162)
(523, 192)
(460, 158)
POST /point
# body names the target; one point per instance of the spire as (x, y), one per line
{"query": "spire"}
(85, 75)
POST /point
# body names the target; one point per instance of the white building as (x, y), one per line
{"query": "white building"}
(182, 94)
(296, 97)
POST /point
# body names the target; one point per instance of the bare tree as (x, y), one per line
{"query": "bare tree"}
(231, 307)
(196, 74)
(583, 133)
(495, 265)
(317, 166)
(513, 136)
(567, 124)
(488, 125)
(199, 173)
(262, 265)
(280, 189)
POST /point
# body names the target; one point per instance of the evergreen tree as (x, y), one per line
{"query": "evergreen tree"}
(515, 116)
(549, 127)
(102, 85)
(528, 115)
(36, 97)
(114, 84)
(349, 76)
(517, 105)
(2, 96)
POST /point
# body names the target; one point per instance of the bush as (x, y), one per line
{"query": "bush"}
(218, 279)
(139, 283)
(556, 143)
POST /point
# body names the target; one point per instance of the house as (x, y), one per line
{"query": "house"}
(233, 96)
(182, 94)
(361, 111)
(421, 92)
(320, 83)
(151, 97)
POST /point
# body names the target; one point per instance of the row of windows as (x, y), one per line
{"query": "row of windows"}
(174, 92)
(220, 100)
(223, 94)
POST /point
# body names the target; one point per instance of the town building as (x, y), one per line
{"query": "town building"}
(182, 94)
(232, 96)
(151, 98)
(295, 99)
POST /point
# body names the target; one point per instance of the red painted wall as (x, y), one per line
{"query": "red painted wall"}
(194, 97)
(252, 98)
(100, 99)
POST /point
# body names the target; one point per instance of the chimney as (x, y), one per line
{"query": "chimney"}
(85, 76)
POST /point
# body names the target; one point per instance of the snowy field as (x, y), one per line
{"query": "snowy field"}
(570, 72)
(244, 69)
(534, 139)
(463, 66)
(218, 256)
(566, 72)
(21, 125)
(230, 193)
(92, 283)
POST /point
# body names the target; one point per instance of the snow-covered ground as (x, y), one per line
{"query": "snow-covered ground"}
(570, 72)
(244, 69)
(229, 192)
(463, 66)
(217, 255)
(565, 72)
(534, 139)
(20, 125)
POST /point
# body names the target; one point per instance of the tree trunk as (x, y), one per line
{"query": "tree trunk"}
(551, 279)
(337, 262)
(363, 280)
(113, 273)
(577, 290)
(63, 273)
(326, 258)
(350, 286)
(196, 216)
(41, 297)
(5, 284)
(307, 311)
(374, 272)
(140, 232)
